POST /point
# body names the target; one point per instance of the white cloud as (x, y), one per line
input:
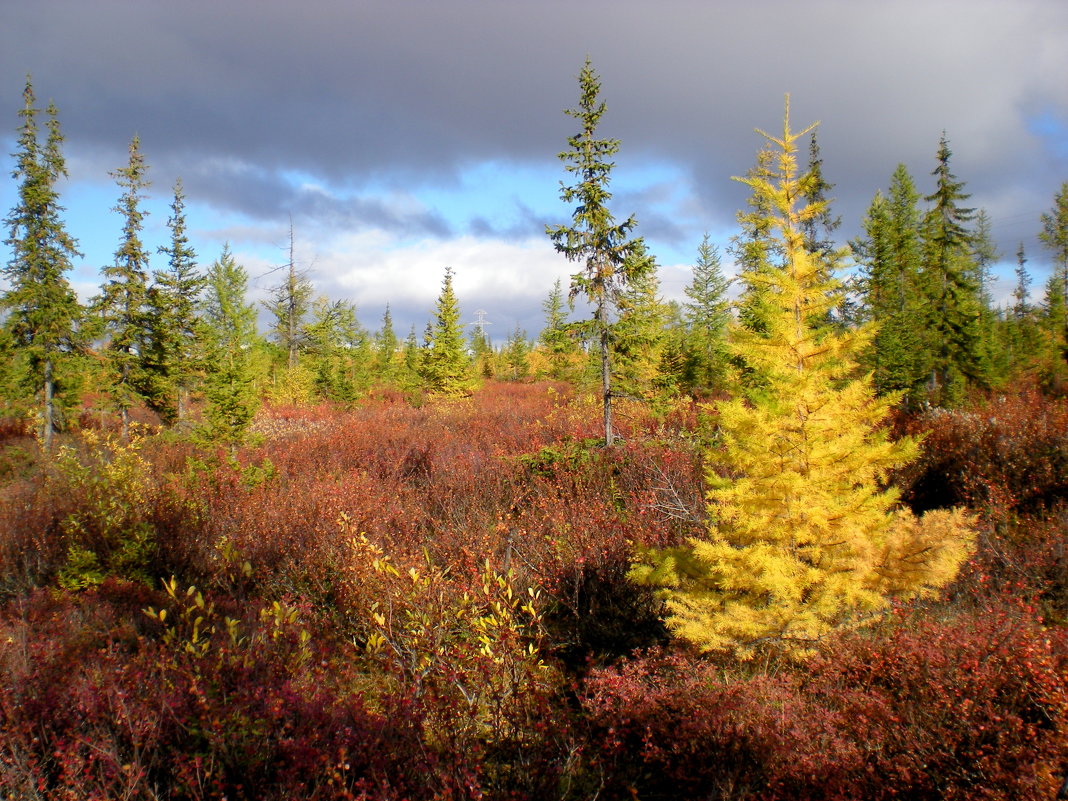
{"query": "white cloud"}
(372, 269)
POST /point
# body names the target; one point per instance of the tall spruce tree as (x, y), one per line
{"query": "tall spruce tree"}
(43, 313)
(593, 238)
(907, 312)
(174, 355)
(803, 537)
(411, 357)
(949, 280)
(122, 305)
(230, 325)
(706, 315)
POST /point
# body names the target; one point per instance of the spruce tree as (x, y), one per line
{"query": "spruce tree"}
(386, 345)
(43, 314)
(889, 254)
(411, 357)
(1054, 321)
(340, 350)
(122, 307)
(516, 355)
(989, 352)
(754, 250)
(557, 338)
(1021, 294)
(230, 325)
(803, 538)
(174, 355)
(819, 230)
(446, 368)
(482, 355)
(1054, 236)
(594, 239)
(949, 281)
(638, 338)
(706, 316)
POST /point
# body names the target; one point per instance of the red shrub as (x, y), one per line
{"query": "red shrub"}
(1006, 455)
(974, 708)
(90, 708)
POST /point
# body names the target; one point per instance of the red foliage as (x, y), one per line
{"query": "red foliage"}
(91, 708)
(970, 708)
(1009, 454)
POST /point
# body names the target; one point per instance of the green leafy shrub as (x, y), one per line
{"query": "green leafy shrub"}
(108, 532)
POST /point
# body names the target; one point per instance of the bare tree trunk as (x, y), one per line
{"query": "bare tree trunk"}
(606, 374)
(49, 410)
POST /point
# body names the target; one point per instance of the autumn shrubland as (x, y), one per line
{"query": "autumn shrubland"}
(400, 602)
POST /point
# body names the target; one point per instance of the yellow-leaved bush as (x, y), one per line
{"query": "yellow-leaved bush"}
(803, 538)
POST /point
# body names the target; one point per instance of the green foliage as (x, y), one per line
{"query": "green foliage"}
(230, 322)
(559, 354)
(446, 369)
(893, 296)
(820, 227)
(386, 347)
(568, 454)
(516, 355)
(340, 349)
(1054, 326)
(108, 534)
(43, 314)
(610, 257)
(754, 250)
(706, 315)
(174, 352)
(948, 279)
(122, 308)
(639, 338)
(1054, 234)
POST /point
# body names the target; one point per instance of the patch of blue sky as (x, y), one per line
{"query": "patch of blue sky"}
(1052, 127)
(495, 196)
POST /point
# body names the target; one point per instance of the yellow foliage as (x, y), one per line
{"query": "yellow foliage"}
(802, 539)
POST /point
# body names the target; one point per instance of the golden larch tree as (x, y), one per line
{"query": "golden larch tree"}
(803, 538)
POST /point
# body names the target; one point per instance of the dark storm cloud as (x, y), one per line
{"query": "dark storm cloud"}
(405, 93)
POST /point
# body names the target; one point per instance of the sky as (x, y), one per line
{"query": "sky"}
(402, 137)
